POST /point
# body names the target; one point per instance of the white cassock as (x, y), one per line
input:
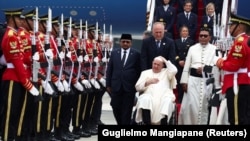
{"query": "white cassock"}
(158, 98)
(194, 106)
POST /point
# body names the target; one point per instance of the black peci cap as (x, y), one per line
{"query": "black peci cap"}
(126, 36)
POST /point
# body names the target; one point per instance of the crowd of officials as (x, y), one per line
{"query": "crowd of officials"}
(54, 76)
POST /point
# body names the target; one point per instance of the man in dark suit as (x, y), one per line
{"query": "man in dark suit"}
(122, 74)
(188, 18)
(156, 45)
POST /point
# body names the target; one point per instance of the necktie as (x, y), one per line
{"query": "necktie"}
(187, 15)
(158, 44)
(183, 40)
(124, 57)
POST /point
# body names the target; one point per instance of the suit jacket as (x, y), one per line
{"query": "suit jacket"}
(191, 23)
(119, 75)
(182, 48)
(181, 53)
(149, 51)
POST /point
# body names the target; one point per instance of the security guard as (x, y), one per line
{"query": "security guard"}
(236, 66)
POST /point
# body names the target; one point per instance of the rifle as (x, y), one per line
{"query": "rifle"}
(59, 46)
(107, 52)
(70, 62)
(95, 52)
(79, 49)
(35, 63)
(47, 47)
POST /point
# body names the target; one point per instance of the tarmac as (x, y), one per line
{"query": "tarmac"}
(106, 117)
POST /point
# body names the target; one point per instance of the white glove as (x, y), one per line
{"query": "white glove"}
(78, 86)
(36, 56)
(3, 60)
(80, 59)
(59, 85)
(47, 88)
(104, 59)
(103, 81)
(96, 59)
(49, 53)
(95, 83)
(86, 83)
(62, 55)
(34, 91)
(221, 96)
(68, 54)
(66, 85)
(86, 58)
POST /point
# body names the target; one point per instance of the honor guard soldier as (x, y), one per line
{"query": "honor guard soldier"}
(16, 82)
(25, 34)
(63, 116)
(80, 96)
(92, 50)
(236, 66)
(102, 55)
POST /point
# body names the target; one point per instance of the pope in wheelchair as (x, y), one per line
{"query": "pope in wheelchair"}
(156, 101)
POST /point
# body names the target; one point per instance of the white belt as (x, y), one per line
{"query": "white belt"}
(11, 66)
(241, 70)
(235, 80)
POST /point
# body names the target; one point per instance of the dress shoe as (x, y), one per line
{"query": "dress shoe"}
(100, 123)
(72, 135)
(94, 131)
(86, 131)
(81, 133)
(64, 137)
(53, 138)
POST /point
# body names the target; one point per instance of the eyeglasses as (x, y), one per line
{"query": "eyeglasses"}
(203, 35)
(125, 42)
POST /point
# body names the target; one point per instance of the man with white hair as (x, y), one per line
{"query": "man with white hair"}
(156, 102)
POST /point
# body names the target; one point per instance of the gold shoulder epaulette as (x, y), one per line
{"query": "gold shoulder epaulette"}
(240, 39)
(10, 33)
(22, 33)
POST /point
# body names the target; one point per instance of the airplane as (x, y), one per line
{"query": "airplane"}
(119, 16)
(125, 16)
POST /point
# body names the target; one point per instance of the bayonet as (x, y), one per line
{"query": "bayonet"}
(35, 63)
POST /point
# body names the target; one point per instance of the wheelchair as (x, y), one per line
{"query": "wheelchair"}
(172, 121)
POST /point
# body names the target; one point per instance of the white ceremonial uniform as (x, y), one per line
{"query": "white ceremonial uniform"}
(158, 98)
(194, 106)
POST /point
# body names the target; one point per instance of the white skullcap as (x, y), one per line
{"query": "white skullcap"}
(162, 59)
